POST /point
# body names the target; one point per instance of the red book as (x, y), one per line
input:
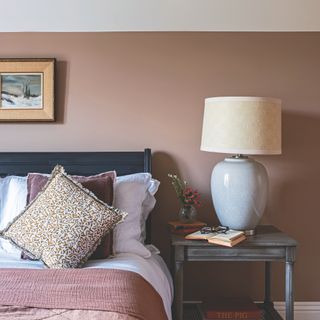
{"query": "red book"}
(178, 227)
(184, 231)
(229, 308)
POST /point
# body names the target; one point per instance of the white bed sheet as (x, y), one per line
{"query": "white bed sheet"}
(152, 269)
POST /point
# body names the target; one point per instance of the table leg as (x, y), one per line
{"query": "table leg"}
(289, 291)
(178, 292)
(267, 282)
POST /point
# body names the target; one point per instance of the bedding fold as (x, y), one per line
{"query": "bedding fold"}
(110, 290)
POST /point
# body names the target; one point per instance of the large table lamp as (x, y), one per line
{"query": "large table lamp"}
(241, 126)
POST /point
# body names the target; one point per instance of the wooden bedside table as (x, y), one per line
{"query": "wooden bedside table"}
(268, 244)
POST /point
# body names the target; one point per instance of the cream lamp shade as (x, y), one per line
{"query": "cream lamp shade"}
(239, 184)
(242, 125)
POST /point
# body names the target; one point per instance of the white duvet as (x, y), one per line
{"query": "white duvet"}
(152, 269)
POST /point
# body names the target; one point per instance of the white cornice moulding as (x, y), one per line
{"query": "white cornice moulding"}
(158, 15)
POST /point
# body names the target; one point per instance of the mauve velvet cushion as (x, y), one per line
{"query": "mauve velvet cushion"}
(102, 187)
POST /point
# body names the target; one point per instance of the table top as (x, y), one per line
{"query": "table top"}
(266, 236)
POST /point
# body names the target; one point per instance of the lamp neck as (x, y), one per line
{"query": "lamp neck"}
(239, 156)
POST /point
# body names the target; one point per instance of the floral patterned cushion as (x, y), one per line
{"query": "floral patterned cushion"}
(100, 184)
(64, 224)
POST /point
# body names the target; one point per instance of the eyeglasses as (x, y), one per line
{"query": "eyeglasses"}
(219, 229)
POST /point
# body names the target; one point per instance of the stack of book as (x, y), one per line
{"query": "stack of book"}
(178, 227)
(242, 308)
(229, 239)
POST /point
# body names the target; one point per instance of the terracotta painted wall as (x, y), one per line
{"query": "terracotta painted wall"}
(120, 91)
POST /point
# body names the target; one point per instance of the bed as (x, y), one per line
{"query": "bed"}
(133, 283)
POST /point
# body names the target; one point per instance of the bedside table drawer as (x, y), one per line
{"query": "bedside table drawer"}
(232, 254)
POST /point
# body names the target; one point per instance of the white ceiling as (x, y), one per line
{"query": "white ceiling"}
(159, 15)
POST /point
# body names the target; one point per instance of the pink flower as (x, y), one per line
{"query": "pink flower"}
(186, 195)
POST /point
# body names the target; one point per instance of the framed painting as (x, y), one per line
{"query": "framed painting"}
(27, 89)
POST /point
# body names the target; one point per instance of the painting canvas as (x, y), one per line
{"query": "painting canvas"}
(21, 91)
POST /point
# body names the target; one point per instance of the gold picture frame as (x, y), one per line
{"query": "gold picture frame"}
(27, 90)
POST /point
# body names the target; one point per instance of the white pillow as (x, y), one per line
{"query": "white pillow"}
(13, 199)
(147, 206)
(132, 194)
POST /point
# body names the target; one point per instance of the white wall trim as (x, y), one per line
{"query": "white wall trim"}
(159, 15)
(303, 310)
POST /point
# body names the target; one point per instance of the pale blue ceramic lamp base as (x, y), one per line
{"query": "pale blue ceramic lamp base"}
(239, 188)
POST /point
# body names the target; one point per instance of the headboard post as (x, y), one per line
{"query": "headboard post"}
(147, 168)
(147, 160)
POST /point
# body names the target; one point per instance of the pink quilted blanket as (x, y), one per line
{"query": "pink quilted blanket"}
(77, 294)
